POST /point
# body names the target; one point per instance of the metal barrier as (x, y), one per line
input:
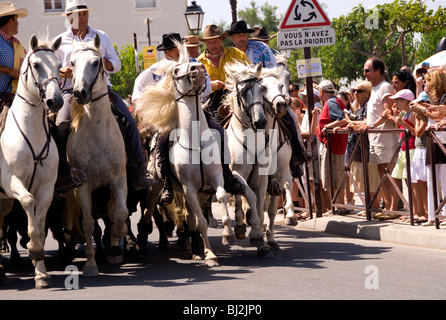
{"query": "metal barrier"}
(366, 200)
(433, 140)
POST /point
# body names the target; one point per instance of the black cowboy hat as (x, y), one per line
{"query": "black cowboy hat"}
(239, 27)
(261, 34)
(167, 42)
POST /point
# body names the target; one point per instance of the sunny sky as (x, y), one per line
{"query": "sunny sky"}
(218, 10)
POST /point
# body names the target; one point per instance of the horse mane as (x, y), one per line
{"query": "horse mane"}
(157, 106)
(270, 72)
(237, 72)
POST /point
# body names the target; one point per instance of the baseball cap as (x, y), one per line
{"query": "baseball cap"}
(403, 94)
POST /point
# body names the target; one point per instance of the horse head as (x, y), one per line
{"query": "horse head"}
(273, 91)
(246, 93)
(284, 76)
(40, 75)
(189, 78)
(88, 67)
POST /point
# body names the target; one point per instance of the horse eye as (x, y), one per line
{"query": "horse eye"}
(36, 65)
(95, 63)
(73, 63)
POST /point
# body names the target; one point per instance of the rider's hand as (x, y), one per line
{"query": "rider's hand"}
(66, 72)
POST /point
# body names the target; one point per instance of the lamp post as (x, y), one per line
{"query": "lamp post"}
(233, 10)
(194, 17)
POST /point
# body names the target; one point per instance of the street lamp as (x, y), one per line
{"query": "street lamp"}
(194, 17)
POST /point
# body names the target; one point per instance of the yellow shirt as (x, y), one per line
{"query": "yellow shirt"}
(230, 55)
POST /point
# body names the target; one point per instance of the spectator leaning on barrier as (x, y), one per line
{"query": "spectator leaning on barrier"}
(332, 116)
(382, 145)
(435, 113)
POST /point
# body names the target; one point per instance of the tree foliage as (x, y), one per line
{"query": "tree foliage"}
(124, 79)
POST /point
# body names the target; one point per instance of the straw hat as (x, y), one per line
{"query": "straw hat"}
(212, 32)
(192, 41)
(75, 6)
(8, 9)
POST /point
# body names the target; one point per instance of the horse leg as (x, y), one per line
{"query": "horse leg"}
(118, 213)
(194, 207)
(37, 233)
(272, 210)
(5, 208)
(88, 225)
(290, 217)
(240, 225)
(228, 235)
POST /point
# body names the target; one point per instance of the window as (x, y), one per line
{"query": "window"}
(142, 4)
(54, 5)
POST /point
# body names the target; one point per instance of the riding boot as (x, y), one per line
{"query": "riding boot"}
(232, 185)
(140, 179)
(167, 195)
(67, 177)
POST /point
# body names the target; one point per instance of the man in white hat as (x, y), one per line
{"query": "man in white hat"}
(77, 13)
(12, 51)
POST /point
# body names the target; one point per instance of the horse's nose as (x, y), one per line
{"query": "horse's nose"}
(260, 123)
(81, 96)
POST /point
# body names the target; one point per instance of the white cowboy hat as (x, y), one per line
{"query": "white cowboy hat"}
(8, 9)
(75, 6)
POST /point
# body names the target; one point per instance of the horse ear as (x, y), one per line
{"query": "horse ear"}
(259, 66)
(97, 41)
(33, 42)
(56, 44)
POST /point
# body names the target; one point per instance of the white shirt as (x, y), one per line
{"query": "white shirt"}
(107, 51)
(375, 108)
(151, 77)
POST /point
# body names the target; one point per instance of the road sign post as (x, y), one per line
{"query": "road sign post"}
(294, 34)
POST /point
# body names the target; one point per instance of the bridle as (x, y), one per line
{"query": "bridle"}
(249, 86)
(43, 154)
(100, 71)
(40, 86)
(188, 76)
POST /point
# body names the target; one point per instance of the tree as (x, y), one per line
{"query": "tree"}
(252, 18)
(388, 32)
(124, 79)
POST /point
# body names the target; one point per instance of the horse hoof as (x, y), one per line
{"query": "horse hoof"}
(273, 245)
(197, 257)
(256, 242)
(43, 283)
(211, 263)
(264, 252)
(291, 221)
(227, 240)
(240, 231)
(90, 271)
(115, 259)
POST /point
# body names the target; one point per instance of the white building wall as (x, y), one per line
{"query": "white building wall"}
(118, 18)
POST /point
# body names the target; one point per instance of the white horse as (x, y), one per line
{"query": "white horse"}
(96, 146)
(249, 147)
(284, 77)
(274, 102)
(174, 104)
(28, 154)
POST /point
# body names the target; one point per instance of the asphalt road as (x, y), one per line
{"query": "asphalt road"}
(309, 265)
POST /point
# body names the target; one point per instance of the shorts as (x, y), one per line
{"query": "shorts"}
(337, 168)
(356, 170)
(380, 155)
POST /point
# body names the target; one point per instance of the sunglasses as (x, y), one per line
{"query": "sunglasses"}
(366, 70)
(357, 91)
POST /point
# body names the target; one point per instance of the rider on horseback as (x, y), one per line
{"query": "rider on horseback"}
(150, 77)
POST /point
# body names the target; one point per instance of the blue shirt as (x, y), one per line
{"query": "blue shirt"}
(7, 60)
(260, 52)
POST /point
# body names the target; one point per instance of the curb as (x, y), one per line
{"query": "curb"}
(386, 231)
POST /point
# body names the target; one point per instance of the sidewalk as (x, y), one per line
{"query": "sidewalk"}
(392, 231)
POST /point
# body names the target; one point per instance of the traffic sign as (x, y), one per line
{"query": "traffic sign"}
(304, 14)
(301, 38)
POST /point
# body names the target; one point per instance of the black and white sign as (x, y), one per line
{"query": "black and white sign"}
(295, 39)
